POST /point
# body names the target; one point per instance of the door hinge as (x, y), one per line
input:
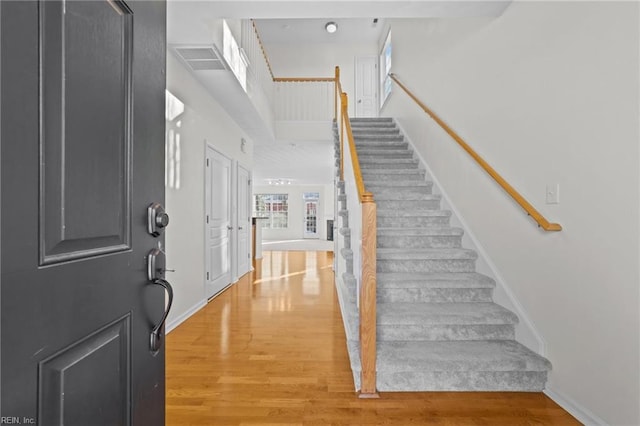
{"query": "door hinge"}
(207, 276)
(207, 162)
(207, 218)
(249, 182)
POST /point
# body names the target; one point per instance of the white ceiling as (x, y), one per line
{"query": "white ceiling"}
(302, 22)
(311, 31)
(300, 162)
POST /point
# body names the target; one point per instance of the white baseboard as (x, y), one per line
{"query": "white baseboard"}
(576, 410)
(184, 316)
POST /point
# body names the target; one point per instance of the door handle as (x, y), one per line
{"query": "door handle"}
(239, 227)
(155, 342)
(229, 227)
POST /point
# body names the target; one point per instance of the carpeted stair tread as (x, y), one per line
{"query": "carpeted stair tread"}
(398, 184)
(499, 355)
(384, 153)
(380, 160)
(487, 313)
(372, 175)
(382, 144)
(360, 131)
(371, 119)
(425, 254)
(369, 138)
(422, 231)
(433, 280)
(412, 213)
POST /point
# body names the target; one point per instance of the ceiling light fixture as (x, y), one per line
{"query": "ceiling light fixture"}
(331, 27)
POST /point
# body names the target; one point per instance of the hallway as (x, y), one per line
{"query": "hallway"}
(271, 350)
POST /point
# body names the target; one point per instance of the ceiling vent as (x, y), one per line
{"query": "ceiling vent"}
(201, 58)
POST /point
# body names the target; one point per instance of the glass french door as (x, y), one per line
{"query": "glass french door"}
(311, 219)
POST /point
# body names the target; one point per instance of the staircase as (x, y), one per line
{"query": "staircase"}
(438, 328)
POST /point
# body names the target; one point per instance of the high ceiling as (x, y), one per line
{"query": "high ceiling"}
(312, 31)
(302, 22)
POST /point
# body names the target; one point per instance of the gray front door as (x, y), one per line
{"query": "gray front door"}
(82, 157)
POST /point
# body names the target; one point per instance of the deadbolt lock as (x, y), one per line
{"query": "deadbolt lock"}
(157, 219)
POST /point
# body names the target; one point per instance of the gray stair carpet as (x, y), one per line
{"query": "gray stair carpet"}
(438, 328)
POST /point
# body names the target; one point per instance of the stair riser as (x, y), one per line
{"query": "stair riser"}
(380, 131)
(408, 204)
(429, 265)
(415, 381)
(372, 179)
(419, 241)
(433, 295)
(366, 138)
(399, 191)
(411, 221)
(383, 156)
(445, 332)
(398, 164)
(372, 126)
(381, 145)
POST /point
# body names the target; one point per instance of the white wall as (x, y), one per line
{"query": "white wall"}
(546, 93)
(296, 209)
(319, 60)
(203, 120)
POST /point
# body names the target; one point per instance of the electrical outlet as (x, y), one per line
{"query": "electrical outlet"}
(553, 193)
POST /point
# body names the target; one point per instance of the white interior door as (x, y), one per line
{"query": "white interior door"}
(366, 86)
(218, 222)
(311, 219)
(244, 221)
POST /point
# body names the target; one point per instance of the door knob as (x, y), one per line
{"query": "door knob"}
(239, 227)
(229, 227)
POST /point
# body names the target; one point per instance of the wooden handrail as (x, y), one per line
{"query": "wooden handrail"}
(352, 149)
(531, 211)
(368, 280)
(336, 95)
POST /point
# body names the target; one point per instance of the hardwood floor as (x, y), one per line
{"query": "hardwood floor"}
(271, 351)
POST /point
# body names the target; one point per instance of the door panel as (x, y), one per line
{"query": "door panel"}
(218, 210)
(76, 333)
(366, 86)
(244, 221)
(85, 141)
(103, 358)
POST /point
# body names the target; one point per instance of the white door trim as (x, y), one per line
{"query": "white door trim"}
(243, 248)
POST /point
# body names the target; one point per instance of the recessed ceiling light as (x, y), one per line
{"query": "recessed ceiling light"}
(331, 27)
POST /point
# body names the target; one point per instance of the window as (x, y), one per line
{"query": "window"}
(234, 58)
(274, 208)
(385, 69)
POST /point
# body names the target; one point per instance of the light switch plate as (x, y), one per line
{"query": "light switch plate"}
(553, 193)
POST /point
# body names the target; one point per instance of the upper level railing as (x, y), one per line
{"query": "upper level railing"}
(304, 99)
(531, 211)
